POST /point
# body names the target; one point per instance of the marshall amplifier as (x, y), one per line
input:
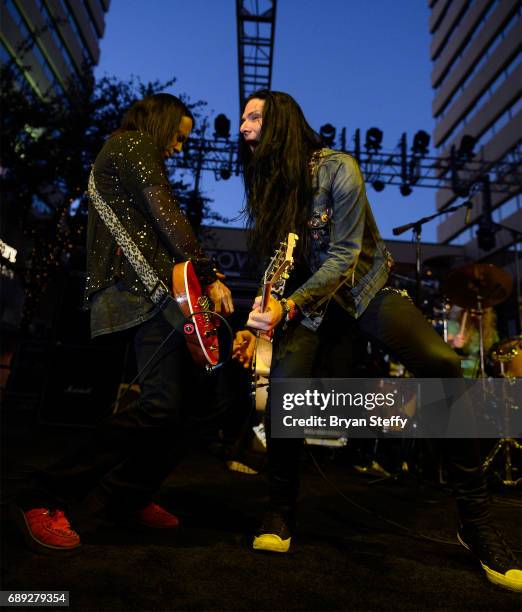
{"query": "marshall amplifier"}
(82, 384)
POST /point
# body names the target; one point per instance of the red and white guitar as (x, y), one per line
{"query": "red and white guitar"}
(274, 279)
(200, 329)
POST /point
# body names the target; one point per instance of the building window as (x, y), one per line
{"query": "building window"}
(477, 67)
(480, 103)
(72, 21)
(478, 28)
(33, 45)
(92, 22)
(57, 38)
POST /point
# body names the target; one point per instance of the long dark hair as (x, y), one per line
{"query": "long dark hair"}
(158, 115)
(277, 181)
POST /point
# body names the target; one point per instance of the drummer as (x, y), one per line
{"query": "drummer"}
(464, 336)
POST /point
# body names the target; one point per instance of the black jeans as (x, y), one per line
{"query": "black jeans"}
(132, 451)
(393, 322)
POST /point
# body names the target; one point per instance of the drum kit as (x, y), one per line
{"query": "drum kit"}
(474, 287)
(450, 280)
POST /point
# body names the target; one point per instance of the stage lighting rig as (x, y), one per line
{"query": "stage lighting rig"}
(373, 140)
(225, 173)
(403, 167)
(222, 127)
(421, 143)
(467, 144)
(327, 133)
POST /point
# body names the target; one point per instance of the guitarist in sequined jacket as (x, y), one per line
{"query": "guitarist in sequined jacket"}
(116, 477)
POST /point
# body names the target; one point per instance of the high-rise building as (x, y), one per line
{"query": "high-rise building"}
(477, 78)
(51, 40)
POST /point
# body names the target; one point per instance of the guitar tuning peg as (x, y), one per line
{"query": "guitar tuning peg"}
(286, 276)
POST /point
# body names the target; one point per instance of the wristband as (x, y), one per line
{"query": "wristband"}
(288, 311)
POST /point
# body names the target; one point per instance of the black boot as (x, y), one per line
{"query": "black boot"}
(477, 532)
(495, 557)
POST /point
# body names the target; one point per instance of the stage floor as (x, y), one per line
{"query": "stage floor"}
(342, 557)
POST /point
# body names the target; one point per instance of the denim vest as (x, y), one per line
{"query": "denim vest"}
(349, 260)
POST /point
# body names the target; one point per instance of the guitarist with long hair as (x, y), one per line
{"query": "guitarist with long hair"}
(134, 450)
(293, 184)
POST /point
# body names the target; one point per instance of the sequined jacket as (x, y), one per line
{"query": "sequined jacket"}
(130, 175)
(349, 260)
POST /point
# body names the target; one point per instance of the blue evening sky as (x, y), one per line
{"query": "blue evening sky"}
(352, 63)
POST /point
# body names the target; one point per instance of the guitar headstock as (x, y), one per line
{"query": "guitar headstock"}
(282, 260)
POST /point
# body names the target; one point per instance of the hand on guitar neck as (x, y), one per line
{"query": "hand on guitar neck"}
(245, 340)
(266, 313)
(269, 319)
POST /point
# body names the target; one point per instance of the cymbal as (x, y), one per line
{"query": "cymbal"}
(506, 349)
(465, 284)
(444, 263)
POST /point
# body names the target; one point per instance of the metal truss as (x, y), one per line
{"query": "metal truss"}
(397, 167)
(393, 168)
(218, 156)
(255, 45)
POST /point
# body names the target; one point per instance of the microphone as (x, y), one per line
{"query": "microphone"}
(397, 231)
(467, 218)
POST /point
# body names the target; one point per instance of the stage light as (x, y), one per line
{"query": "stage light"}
(421, 143)
(222, 127)
(405, 190)
(378, 185)
(466, 147)
(225, 173)
(327, 133)
(373, 140)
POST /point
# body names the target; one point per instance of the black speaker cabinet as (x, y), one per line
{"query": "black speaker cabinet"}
(82, 384)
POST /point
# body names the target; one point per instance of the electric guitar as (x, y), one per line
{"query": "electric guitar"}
(201, 327)
(274, 280)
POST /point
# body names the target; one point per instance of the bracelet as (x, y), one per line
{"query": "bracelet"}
(288, 311)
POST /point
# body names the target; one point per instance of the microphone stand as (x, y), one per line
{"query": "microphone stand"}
(517, 235)
(416, 226)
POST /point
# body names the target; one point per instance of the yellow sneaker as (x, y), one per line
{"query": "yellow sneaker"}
(237, 466)
(495, 557)
(273, 535)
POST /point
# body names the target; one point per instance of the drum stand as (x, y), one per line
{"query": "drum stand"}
(480, 316)
(505, 445)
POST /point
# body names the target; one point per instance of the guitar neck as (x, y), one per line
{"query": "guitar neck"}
(265, 296)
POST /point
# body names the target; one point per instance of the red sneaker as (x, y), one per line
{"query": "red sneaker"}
(47, 530)
(157, 517)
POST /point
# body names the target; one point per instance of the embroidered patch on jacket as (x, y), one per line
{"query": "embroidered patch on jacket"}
(319, 226)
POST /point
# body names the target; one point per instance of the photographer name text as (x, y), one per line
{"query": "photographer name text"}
(393, 422)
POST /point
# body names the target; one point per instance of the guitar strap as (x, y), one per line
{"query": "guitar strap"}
(157, 291)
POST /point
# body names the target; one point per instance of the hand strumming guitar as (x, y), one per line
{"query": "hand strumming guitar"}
(243, 347)
(221, 297)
